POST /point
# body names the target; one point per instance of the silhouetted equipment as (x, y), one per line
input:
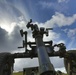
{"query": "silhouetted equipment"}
(41, 49)
(70, 62)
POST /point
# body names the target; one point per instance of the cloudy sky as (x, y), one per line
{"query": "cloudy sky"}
(59, 14)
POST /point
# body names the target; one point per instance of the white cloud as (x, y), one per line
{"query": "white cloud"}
(60, 1)
(46, 4)
(71, 33)
(59, 20)
(8, 27)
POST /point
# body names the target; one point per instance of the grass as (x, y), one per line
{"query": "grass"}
(18, 73)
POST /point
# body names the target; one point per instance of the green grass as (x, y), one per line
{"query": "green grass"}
(18, 73)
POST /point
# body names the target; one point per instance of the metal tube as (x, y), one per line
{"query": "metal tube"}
(45, 66)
